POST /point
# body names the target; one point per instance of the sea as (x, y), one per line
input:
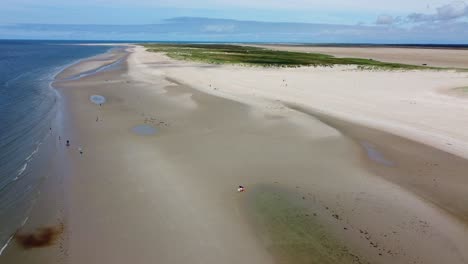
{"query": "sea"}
(28, 106)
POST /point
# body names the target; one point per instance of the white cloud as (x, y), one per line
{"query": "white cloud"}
(451, 11)
(385, 20)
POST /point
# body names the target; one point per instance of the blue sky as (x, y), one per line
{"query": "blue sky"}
(153, 11)
(379, 21)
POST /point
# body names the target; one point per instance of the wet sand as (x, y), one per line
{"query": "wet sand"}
(314, 191)
(87, 66)
(434, 175)
(41, 237)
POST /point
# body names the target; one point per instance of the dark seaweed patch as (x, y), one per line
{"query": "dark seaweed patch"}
(42, 237)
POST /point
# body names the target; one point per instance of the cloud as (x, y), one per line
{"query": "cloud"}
(226, 30)
(385, 20)
(219, 28)
(451, 11)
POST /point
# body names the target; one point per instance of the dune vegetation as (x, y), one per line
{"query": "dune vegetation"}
(245, 55)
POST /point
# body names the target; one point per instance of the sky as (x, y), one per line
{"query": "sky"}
(317, 21)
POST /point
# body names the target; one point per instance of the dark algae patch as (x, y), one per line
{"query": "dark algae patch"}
(291, 232)
(42, 237)
(234, 54)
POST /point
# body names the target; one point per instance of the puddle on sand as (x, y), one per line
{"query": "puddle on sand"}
(144, 130)
(97, 99)
(375, 155)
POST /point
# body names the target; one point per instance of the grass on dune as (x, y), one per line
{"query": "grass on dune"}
(234, 54)
(462, 89)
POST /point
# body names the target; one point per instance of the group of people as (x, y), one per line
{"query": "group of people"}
(80, 149)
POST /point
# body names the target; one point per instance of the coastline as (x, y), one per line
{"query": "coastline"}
(171, 194)
(49, 204)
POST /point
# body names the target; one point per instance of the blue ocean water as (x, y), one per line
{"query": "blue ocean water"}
(28, 104)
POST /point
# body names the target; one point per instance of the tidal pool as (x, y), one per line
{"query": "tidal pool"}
(144, 130)
(97, 99)
(375, 155)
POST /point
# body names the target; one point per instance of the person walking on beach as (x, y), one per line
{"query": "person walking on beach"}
(68, 143)
(80, 150)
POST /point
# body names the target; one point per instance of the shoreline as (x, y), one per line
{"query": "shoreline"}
(88, 66)
(133, 193)
(43, 151)
(52, 180)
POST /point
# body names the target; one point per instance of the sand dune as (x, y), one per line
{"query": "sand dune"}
(451, 58)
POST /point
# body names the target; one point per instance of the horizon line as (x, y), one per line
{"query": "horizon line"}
(249, 42)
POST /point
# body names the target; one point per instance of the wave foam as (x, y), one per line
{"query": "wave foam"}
(20, 171)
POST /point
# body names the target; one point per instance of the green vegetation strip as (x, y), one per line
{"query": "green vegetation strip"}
(462, 89)
(234, 54)
(291, 233)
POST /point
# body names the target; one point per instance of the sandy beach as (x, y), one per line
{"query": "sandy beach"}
(340, 165)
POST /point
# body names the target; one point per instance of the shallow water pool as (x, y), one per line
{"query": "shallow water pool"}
(144, 130)
(97, 99)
